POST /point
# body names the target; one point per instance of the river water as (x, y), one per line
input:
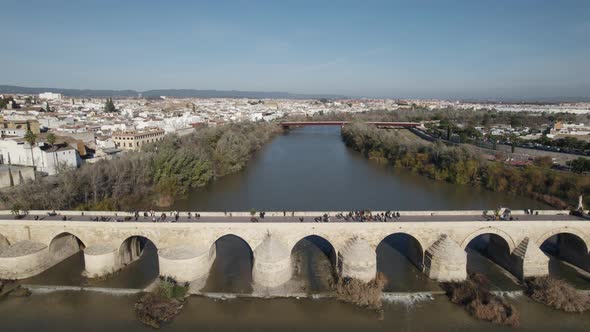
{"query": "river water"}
(305, 169)
(310, 169)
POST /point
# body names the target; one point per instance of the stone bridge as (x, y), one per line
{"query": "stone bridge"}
(186, 250)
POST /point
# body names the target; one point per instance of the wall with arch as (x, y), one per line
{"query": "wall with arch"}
(105, 238)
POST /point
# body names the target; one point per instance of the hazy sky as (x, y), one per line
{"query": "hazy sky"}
(471, 48)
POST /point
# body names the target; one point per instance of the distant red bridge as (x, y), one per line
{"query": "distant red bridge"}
(342, 123)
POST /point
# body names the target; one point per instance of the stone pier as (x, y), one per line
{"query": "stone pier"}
(272, 263)
(186, 263)
(100, 260)
(27, 258)
(528, 260)
(445, 260)
(103, 259)
(357, 260)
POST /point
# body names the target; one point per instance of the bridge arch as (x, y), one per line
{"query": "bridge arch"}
(233, 236)
(330, 238)
(566, 244)
(322, 243)
(132, 247)
(406, 244)
(231, 269)
(490, 230)
(63, 245)
(78, 236)
(314, 260)
(492, 246)
(565, 230)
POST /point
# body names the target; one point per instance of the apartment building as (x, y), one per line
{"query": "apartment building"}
(133, 139)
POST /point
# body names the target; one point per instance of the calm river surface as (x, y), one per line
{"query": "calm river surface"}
(310, 169)
(305, 169)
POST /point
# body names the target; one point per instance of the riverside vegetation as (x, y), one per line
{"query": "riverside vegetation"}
(367, 295)
(156, 175)
(458, 165)
(162, 304)
(474, 295)
(557, 294)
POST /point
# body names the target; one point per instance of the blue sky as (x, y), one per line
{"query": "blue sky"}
(456, 49)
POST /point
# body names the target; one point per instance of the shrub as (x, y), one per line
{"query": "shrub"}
(364, 294)
(474, 295)
(161, 305)
(557, 294)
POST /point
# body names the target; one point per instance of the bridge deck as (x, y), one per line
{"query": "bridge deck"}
(293, 219)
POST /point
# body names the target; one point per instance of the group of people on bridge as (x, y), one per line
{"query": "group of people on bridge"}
(360, 216)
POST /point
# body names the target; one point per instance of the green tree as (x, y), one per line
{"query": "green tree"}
(109, 106)
(31, 139)
(580, 165)
(486, 120)
(51, 138)
(4, 101)
(515, 121)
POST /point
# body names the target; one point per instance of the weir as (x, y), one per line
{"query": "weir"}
(187, 250)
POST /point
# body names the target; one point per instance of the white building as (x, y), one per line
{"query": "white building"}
(47, 159)
(50, 96)
(255, 116)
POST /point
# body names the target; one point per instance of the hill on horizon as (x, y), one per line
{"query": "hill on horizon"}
(179, 93)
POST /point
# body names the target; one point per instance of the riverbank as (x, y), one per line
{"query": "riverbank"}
(460, 166)
(157, 175)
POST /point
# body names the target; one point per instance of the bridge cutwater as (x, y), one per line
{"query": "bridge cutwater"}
(187, 248)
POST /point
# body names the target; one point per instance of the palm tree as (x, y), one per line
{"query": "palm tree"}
(31, 139)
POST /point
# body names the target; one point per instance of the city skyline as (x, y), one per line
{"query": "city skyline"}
(460, 49)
